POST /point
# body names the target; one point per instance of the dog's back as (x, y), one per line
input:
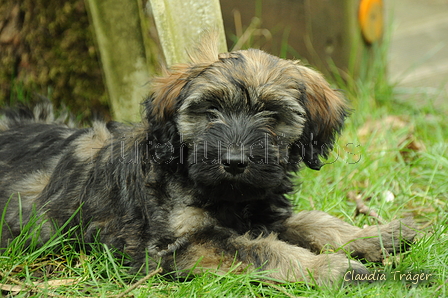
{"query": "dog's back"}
(29, 139)
(44, 158)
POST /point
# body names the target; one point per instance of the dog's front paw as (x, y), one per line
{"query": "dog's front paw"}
(374, 243)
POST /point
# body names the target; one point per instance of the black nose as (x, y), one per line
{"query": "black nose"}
(234, 163)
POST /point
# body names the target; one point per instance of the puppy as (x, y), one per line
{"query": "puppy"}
(202, 181)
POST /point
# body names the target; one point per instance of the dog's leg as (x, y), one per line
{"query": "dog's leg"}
(281, 260)
(319, 231)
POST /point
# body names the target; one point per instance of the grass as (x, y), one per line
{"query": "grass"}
(391, 153)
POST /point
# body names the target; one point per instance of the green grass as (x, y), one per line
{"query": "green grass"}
(373, 158)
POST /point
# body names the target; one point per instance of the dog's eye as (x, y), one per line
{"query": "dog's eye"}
(276, 116)
(300, 114)
(212, 112)
(212, 109)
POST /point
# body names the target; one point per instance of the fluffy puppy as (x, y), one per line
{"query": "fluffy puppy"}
(201, 181)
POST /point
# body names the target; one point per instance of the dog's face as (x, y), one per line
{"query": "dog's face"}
(241, 121)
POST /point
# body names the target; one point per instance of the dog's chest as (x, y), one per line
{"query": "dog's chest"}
(186, 220)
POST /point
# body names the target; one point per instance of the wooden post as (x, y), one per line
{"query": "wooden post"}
(124, 49)
(119, 36)
(181, 23)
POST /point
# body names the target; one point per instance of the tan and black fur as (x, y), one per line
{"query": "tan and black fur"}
(202, 177)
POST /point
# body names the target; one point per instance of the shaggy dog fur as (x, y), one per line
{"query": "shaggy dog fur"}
(202, 177)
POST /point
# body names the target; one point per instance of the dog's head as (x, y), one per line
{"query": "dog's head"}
(241, 121)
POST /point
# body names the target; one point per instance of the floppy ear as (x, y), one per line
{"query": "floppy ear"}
(167, 94)
(326, 110)
(161, 104)
(160, 109)
(166, 90)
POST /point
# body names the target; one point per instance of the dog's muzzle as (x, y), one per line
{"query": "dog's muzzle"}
(234, 162)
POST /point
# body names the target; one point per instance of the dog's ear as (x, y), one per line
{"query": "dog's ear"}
(162, 102)
(167, 94)
(326, 110)
(166, 89)
(160, 108)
